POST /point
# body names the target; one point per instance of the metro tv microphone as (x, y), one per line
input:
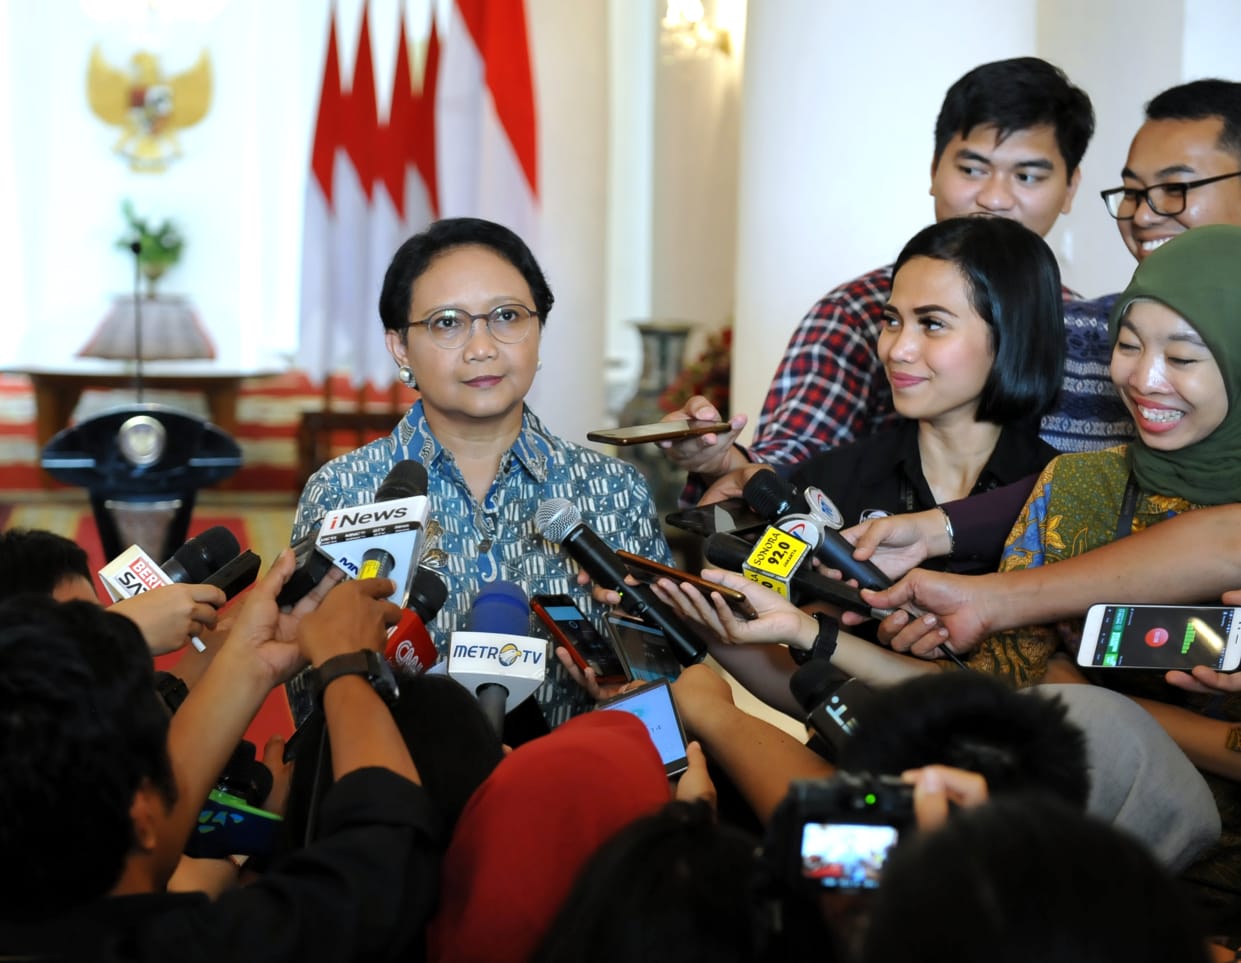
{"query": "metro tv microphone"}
(776, 500)
(410, 648)
(559, 521)
(496, 659)
(380, 539)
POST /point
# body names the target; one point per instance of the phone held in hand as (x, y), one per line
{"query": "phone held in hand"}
(586, 645)
(653, 704)
(644, 648)
(729, 515)
(659, 431)
(648, 570)
(1161, 637)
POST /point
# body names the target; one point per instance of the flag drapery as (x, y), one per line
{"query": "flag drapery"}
(458, 139)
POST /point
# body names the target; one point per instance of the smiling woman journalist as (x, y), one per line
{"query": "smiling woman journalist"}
(463, 306)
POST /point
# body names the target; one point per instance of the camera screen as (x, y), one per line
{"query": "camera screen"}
(845, 855)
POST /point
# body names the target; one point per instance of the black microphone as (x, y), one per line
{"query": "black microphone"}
(773, 497)
(730, 552)
(559, 521)
(202, 555)
(410, 647)
(830, 698)
(317, 551)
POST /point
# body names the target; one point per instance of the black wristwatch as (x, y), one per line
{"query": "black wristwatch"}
(367, 663)
(824, 643)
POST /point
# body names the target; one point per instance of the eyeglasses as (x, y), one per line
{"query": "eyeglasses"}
(1166, 200)
(453, 327)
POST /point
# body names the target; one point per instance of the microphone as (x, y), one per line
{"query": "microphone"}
(560, 522)
(134, 571)
(384, 538)
(830, 698)
(496, 659)
(772, 497)
(802, 584)
(410, 648)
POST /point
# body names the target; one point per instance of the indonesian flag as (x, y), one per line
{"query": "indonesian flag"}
(459, 141)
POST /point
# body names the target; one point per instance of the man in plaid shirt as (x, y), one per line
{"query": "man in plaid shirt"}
(1008, 142)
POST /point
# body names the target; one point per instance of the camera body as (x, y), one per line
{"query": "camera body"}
(836, 833)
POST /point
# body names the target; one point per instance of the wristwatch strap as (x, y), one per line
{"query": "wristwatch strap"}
(824, 643)
(367, 663)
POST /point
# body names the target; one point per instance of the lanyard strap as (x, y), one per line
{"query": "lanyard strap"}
(1128, 505)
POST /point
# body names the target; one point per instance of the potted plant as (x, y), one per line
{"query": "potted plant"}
(157, 248)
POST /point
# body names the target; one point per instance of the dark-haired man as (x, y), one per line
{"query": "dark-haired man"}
(1009, 140)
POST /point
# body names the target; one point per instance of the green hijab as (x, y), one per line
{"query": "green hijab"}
(1198, 275)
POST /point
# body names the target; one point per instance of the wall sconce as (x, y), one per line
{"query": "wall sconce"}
(687, 31)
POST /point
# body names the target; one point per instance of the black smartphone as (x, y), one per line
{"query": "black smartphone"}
(237, 574)
(659, 431)
(648, 570)
(229, 826)
(654, 706)
(644, 647)
(729, 515)
(586, 644)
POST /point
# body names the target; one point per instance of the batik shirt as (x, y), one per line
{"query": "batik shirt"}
(470, 544)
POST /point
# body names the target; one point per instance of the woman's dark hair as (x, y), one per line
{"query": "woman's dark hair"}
(672, 887)
(81, 728)
(1031, 880)
(1014, 285)
(1018, 94)
(414, 256)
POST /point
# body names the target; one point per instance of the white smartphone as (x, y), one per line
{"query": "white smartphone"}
(654, 706)
(1161, 637)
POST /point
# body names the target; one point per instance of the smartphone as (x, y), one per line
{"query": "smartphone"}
(229, 826)
(235, 575)
(845, 856)
(653, 704)
(586, 644)
(659, 431)
(729, 515)
(1161, 637)
(645, 648)
(649, 570)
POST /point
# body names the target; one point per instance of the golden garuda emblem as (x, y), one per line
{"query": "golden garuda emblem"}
(148, 106)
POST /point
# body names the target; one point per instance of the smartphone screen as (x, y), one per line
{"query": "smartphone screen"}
(845, 855)
(645, 649)
(654, 706)
(572, 629)
(1160, 637)
(729, 515)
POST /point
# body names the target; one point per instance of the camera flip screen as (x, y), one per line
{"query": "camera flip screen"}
(845, 855)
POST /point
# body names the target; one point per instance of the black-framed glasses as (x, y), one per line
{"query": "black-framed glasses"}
(452, 327)
(1166, 200)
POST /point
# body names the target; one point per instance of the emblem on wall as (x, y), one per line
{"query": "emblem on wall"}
(148, 106)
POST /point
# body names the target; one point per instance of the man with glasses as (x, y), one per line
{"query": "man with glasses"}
(1008, 141)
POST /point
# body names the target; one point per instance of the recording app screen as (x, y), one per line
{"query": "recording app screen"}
(845, 855)
(653, 705)
(1135, 636)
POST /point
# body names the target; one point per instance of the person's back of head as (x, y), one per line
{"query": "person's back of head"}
(1200, 100)
(1016, 741)
(674, 886)
(1031, 880)
(81, 730)
(34, 560)
(1018, 94)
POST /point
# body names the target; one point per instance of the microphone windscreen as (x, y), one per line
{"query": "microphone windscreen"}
(814, 682)
(406, 479)
(203, 554)
(501, 608)
(769, 494)
(556, 518)
(427, 594)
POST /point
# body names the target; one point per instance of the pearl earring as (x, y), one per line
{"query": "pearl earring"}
(539, 366)
(406, 376)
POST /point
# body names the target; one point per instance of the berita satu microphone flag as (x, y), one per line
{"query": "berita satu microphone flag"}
(455, 137)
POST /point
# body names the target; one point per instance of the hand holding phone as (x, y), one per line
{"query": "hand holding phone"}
(659, 431)
(1161, 637)
(654, 706)
(648, 570)
(571, 629)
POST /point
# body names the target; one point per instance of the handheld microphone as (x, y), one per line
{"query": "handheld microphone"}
(410, 648)
(134, 571)
(385, 536)
(772, 497)
(560, 522)
(830, 698)
(496, 659)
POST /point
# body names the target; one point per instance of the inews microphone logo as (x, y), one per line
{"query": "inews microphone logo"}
(373, 521)
(367, 518)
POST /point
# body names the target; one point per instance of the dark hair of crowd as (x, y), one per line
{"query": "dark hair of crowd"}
(1199, 100)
